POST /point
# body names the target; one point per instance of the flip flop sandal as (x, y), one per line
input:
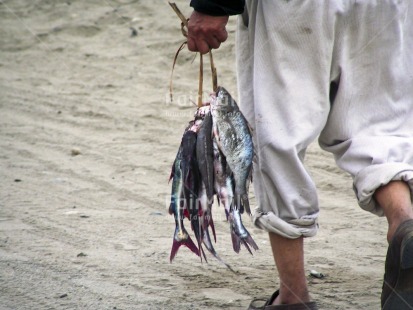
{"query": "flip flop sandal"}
(266, 304)
(397, 293)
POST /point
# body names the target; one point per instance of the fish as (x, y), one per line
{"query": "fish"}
(205, 208)
(207, 221)
(214, 158)
(191, 182)
(235, 142)
(225, 187)
(181, 236)
(205, 155)
(188, 145)
(222, 181)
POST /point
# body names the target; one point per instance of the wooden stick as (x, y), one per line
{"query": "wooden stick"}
(184, 20)
(179, 13)
(213, 72)
(201, 79)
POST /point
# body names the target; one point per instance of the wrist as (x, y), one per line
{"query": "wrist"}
(218, 8)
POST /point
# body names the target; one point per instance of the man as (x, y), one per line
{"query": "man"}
(339, 70)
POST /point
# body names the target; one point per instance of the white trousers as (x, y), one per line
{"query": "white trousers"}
(339, 70)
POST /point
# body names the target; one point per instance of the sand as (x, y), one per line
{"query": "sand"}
(87, 139)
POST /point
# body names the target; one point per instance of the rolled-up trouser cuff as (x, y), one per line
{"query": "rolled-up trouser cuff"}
(369, 179)
(306, 226)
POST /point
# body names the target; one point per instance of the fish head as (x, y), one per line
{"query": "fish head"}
(202, 111)
(224, 99)
(222, 102)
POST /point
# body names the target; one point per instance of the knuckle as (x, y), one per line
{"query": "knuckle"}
(191, 45)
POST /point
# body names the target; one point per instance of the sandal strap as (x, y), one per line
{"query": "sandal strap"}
(258, 304)
(301, 306)
(265, 304)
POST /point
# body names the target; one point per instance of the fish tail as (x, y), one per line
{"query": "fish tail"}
(208, 244)
(248, 241)
(212, 225)
(171, 176)
(178, 243)
(252, 243)
(206, 239)
(236, 241)
(245, 243)
(203, 254)
(171, 209)
(209, 222)
(198, 231)
(240, 234)
(227, 214)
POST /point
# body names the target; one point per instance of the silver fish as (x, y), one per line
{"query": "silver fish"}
(181, 236)
(205, 156)
(224, 187)
(222, 182)
(206, 219)
(205, 208)
(235, 142)
(191, 181)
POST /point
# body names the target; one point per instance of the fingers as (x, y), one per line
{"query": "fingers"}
(202, 44)
(206, 32)
(198, 45)
(222, 35)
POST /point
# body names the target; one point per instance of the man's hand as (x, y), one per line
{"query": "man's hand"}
(206, 32)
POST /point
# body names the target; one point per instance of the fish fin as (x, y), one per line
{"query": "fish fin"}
(207, 242)
(246, 203)
(198, 231)
(236, 241)
(239, 203)
(177, 244)
(203, 254)
(207, 221)
(171, 209)
(227, 214)
(186, 213)
(251, 173)
(171, 176)
(243, 237)
(246, 245)
(248, 241)
(211, 224)
(251, 242)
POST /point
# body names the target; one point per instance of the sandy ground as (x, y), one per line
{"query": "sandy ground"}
(87, 139)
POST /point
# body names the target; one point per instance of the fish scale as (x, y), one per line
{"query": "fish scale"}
(181, 236)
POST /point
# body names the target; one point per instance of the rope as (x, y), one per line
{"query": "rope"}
(184, 30)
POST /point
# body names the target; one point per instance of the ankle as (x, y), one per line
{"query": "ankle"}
(395, 200)
(290, 297)
(394, 225)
